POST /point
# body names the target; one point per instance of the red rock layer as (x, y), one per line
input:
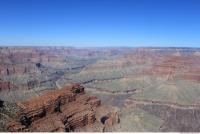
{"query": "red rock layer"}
(180, 67)
(60, 110)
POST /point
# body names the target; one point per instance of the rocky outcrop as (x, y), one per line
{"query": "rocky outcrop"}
(94, 101)
(60, 110)
(113, 119)
(109, 120)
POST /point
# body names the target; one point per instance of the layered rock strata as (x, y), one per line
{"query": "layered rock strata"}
(60, 110)
(186, 67)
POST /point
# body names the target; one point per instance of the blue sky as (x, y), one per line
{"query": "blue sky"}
(90, 23)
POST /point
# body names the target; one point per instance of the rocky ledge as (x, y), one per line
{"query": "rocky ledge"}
(60, 110)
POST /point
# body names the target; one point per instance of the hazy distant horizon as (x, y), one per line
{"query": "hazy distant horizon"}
(85, 47)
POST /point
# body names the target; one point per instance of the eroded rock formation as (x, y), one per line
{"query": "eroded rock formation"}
(109, 120)
(60, 110)
(185, 67)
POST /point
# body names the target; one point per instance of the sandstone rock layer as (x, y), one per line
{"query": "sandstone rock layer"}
(59, 110)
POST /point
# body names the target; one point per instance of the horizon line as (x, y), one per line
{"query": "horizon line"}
(68, 46)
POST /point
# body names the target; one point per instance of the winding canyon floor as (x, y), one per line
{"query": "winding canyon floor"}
(152, 89)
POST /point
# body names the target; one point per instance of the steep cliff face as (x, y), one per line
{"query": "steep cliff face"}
(60, 110)
(185, 68)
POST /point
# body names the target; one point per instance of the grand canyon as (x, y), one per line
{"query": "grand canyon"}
(119, 89)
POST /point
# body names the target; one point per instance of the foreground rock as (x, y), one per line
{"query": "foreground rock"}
(60, 110)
